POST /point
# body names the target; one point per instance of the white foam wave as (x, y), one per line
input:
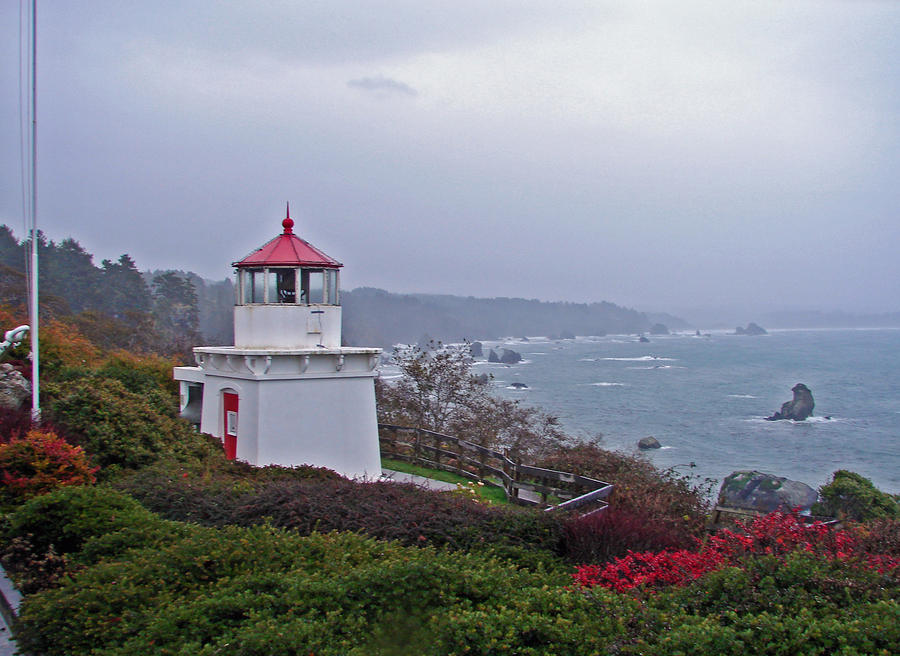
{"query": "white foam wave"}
(587, 359)
(643, 358)
(608, 384)
(742, 396)
(659, 366)
(806, 422)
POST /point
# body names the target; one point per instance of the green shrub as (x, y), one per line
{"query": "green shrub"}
(263, 591)
(66, 518)
(125, 429)
(852, 496)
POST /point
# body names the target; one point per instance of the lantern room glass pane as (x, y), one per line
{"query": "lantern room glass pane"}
(284, 286)
(316, 286)
(258, 286)
(331, 275)
(252, 286)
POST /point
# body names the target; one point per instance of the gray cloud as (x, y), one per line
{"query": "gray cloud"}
(650, 154)
(382, 86)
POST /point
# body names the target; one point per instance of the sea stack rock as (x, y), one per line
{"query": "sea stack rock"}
(752, 329)
(649, 443)
(799, 408)
(492, 356)
(659, 329)
(475, 348)
(764, 493)
(508, 356)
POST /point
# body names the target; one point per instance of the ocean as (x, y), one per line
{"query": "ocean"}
(705, 398)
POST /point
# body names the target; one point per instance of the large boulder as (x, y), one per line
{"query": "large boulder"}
(14, 387)
(476, 350)
(764, 493)
(649, 442)
(492, 356)
(798, 408)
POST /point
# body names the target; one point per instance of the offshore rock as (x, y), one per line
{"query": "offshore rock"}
(649, 442)
(799, 408)
(14, 388)
(751, 329)
(492, 356)
(508, 356)
(476, 350)
(765, 493)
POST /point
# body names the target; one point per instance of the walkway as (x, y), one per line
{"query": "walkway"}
(10, 599)
(430, 483)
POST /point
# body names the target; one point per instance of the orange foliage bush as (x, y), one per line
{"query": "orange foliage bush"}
(41, 461)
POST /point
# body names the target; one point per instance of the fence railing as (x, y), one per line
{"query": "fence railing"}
(523, 484)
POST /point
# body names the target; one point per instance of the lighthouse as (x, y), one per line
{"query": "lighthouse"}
(287, 392)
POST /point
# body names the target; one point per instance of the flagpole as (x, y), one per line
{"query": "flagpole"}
(35, 341)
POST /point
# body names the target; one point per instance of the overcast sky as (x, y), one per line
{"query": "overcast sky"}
(659, 155)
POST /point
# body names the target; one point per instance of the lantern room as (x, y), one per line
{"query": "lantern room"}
(287, 295)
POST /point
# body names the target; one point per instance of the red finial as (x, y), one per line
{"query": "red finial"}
(288, 223)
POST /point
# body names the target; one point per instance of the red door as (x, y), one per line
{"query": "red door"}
(230, 404)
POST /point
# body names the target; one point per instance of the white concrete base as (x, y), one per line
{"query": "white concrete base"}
(295, 407)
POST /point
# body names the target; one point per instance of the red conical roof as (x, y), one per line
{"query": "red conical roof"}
(287, 249)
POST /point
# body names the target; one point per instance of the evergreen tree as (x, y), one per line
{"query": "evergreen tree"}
(175, 311)
(124, 289)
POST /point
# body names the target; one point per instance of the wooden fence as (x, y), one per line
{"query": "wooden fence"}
(523, 484)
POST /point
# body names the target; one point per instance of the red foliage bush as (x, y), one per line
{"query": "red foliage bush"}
(386, 510)
(776, 534)
(41, 461)
(617, 531)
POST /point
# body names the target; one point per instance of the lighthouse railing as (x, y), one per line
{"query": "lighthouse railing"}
(523, 484)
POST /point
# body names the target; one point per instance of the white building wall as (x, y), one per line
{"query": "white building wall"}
(314, 407)
(326, 422)
(287, 326)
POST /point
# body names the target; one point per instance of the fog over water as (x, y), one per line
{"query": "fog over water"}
(673, 157)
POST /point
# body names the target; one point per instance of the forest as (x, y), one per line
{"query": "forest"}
(118, 305)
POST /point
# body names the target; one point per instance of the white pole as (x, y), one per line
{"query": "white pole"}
(35, 342)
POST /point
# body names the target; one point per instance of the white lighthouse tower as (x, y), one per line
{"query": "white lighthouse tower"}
(287, 392)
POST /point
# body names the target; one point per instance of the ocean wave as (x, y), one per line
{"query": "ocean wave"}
(742, 396)
(587, 359)
(827, 419)
(608, 384)
(659, 366)
(644, 358)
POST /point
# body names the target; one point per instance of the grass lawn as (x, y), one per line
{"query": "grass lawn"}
(489, 493)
